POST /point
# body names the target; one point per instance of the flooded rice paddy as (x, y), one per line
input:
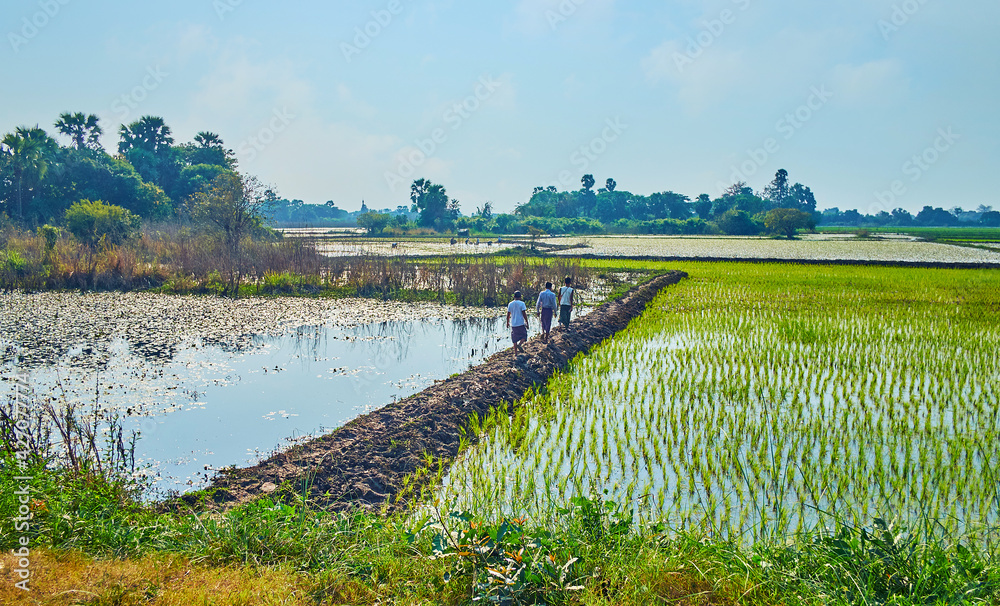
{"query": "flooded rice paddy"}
(211, 382)
(813, 247)
(750, 397)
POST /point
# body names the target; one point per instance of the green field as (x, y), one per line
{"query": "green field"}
(754, 399)
(955, 234)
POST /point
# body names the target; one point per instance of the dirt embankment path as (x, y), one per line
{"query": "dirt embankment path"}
(365, 462)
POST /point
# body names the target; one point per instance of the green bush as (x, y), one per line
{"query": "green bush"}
(738, 223)
(50, 234)
(92, 222)
(12, 262)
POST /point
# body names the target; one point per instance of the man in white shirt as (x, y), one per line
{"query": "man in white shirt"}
(566, 302)
(517, 322)
(546, 307)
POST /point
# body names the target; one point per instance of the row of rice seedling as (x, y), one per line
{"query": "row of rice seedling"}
(751, 398)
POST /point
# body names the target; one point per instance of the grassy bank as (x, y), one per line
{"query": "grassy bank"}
(91, 543)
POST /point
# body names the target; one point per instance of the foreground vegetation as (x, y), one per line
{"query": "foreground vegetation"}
(749, 337)
(91, 543)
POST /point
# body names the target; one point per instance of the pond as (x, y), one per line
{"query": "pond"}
(203, 404)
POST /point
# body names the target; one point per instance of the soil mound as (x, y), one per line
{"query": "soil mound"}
(364, 463)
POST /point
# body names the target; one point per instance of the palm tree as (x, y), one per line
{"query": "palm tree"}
(84, 130)
(28, 151)
(149, 133)
(208, 139)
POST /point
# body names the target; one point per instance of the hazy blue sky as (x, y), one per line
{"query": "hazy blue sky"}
(855, 98)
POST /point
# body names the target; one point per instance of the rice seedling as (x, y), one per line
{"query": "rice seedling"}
(751, 399)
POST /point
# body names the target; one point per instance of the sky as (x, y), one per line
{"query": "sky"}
(873, 104)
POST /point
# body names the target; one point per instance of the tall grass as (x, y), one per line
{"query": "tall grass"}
(172, 258)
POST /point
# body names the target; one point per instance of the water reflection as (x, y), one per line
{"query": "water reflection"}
(211, 405)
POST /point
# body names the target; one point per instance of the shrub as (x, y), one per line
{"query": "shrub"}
(94, 221)
(50, 234)
(786, 221)
(738, 223)
(12, 261)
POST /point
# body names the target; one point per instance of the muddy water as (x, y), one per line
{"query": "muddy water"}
(207, 405)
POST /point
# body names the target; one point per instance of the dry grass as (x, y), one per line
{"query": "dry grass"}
(162, 580)
(71, 578)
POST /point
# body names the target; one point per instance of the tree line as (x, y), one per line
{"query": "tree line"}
(150, 176)
(781, 208)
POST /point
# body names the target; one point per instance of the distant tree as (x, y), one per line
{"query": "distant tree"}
(787, 221)
(546, 203)
(737, 223)
(431, 201)
(801, 197)
(83, 130)
(208, 148)
(149, 134)
(668, 205)
(901, 216)
(95, 222)
(703, 206)
(935, 216)
(881, 218)
(26, 154)
(778, 189)
(990, 218)
(750, 203)
(851, 217)
(146, 144)
(374, 222)
(486, 212)
(505, 222)
(197, 178)
(737, 189)
(235, 204)
(610, 184)
(586, 200)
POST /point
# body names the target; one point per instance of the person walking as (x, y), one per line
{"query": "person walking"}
(517, 322)
(566, 302)
(546, 308)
